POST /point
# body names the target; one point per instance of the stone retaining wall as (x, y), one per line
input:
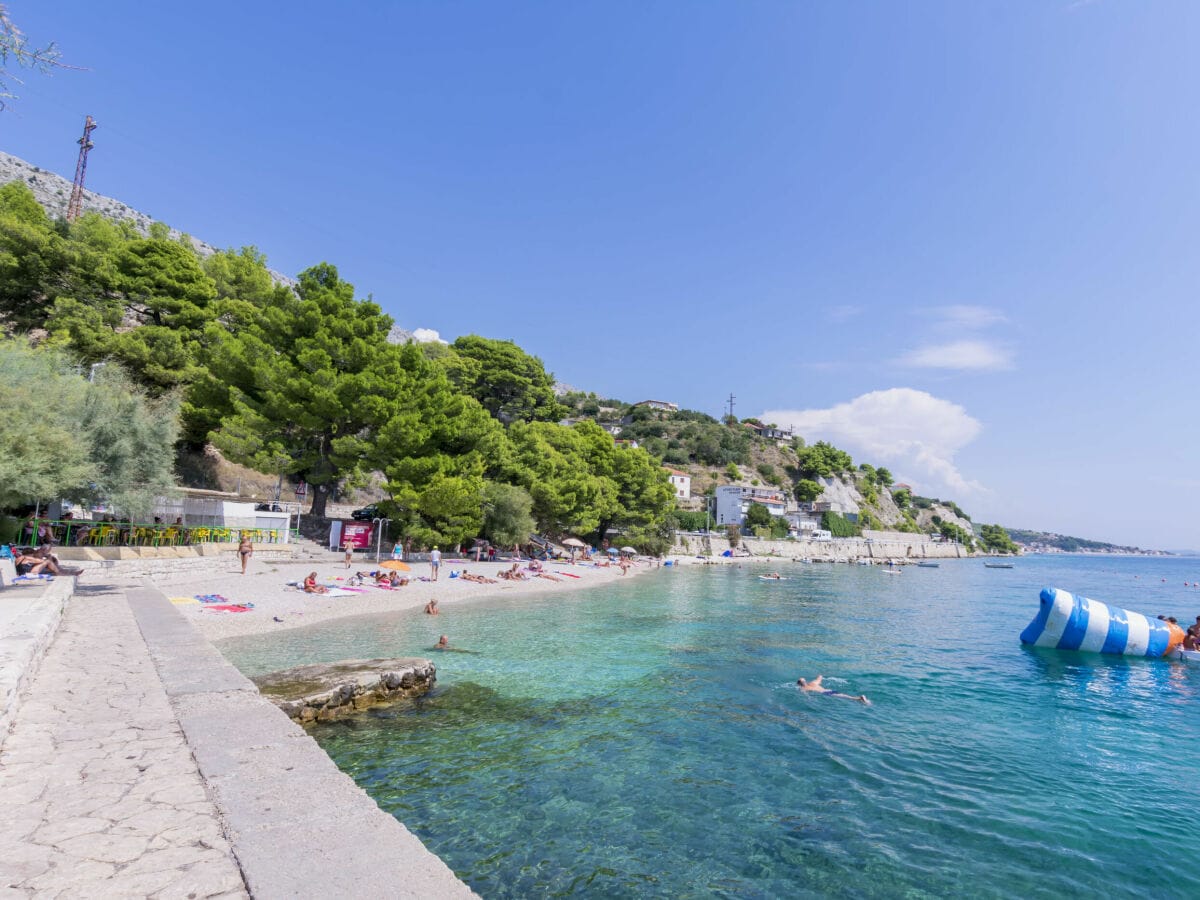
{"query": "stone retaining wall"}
(27, 625)
(836, 550)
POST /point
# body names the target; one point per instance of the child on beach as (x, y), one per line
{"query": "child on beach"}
(349, 548)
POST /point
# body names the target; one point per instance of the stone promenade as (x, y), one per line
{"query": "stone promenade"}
(141, 764)
(99, 793)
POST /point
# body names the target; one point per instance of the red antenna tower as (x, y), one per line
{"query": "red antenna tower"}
(85, 144)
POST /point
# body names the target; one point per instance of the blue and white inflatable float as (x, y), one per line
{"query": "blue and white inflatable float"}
(1067, 622)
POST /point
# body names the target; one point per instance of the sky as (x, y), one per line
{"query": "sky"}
(955, 239)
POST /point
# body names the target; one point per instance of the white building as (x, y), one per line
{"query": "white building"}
(732, 502)
(682, 482)
(661, 405)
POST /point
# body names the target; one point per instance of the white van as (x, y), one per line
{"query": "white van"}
(822, 535)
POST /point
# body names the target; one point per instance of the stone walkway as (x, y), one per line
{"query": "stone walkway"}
(99, 793)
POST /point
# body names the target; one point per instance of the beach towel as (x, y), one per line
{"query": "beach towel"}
(568, 574)
(180, 601)
(228, 607)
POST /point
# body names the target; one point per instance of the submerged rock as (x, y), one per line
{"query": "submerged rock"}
(327, 691)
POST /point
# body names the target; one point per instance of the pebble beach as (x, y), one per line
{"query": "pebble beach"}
(277, 605)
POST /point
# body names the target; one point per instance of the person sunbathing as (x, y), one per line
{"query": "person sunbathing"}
(547, 577)
(478, 579)
(311, 586)
(28, 564)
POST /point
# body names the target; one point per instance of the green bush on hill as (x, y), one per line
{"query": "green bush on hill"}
(839, 526)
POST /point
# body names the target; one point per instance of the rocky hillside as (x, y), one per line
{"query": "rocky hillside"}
(54, 193)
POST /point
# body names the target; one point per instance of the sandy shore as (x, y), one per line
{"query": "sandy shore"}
(278, 606)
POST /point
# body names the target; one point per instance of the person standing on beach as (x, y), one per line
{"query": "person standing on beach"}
(245, 551)
(349, 548)
(435, 562)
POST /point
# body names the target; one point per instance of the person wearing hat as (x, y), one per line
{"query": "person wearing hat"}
(435, 561)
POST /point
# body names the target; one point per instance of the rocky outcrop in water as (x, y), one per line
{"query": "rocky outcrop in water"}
(328, 691)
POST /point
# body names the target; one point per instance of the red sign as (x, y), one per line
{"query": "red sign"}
(301, 489)
(356, 534)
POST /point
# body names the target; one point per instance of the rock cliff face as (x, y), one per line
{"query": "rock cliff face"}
(846, 493)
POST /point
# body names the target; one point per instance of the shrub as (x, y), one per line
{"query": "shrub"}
(839, 526)
(691, 520)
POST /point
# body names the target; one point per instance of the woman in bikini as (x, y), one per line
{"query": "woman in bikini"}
(245, 551)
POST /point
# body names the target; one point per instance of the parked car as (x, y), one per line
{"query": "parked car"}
(366, 514)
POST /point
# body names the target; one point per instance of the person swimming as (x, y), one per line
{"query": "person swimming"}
(444, 645)
(815, 686)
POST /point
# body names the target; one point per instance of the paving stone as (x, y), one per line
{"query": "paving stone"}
(53, 833)
(99, 793)
(66, 880)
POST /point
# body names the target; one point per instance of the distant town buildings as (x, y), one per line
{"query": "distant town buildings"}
(661, 405)
(770, 432)
(682, 482)
(732, 501)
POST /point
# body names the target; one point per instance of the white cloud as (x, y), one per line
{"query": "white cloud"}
(842, 313)
(968, 355)
(913, 433)
(427, 336)
(961, 316)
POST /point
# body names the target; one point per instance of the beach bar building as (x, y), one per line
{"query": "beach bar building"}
(220, 509)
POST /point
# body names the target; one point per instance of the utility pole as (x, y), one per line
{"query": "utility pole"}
(731, 399)
(85, 144)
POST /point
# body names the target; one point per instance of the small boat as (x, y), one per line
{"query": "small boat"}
(892, 572)
(1186, 655)
(997, 565)
(928, 565)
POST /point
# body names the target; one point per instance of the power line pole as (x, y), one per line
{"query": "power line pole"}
(85, 144)
(731, 399)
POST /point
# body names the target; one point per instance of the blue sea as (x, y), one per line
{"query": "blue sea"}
(647, 739)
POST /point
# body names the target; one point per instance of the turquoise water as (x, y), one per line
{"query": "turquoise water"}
(647, 739)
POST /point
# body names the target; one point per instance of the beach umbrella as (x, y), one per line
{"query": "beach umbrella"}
(612, 550)
(574, 542)
(628, 550)
(395, 564)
